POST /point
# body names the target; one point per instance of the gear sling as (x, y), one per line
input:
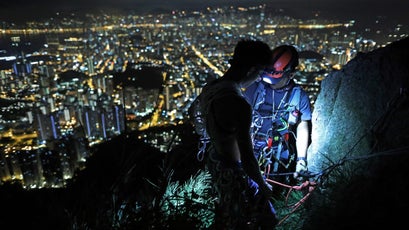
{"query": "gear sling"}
(276, 146)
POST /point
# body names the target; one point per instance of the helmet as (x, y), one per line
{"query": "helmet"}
(285, 60)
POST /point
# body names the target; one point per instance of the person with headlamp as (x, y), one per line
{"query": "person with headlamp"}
(281, 120)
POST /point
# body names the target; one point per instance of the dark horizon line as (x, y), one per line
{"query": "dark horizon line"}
(23, 14)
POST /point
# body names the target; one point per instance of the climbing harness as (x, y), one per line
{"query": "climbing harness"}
(272, 147)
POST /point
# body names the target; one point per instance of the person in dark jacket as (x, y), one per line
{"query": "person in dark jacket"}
(243, 196)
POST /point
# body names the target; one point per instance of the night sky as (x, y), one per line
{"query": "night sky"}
(20, 10)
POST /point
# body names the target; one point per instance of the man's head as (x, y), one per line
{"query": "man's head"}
(251, 57)
(282, 67)
(249, 53)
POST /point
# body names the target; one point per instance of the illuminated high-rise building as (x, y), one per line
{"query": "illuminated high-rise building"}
(47, 126)
(4, 166)
(21, 67)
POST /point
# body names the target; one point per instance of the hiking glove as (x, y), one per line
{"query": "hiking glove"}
(301, 166)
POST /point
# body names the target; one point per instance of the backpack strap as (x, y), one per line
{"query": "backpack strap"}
(294, 105)
(294, 100)
(260, 96)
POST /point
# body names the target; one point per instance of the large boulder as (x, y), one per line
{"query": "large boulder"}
(359, 149)
(363, 108)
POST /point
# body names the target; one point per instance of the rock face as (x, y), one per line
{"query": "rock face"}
(363, 108)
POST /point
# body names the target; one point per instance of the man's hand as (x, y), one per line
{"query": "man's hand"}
(300, 166)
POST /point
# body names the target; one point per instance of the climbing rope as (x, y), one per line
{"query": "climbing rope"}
(306, 185)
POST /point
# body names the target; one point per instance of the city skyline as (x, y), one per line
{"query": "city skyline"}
(76, 113)
(65, 74)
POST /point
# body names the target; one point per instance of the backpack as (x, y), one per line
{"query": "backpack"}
(198, 121)
(197, 116)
